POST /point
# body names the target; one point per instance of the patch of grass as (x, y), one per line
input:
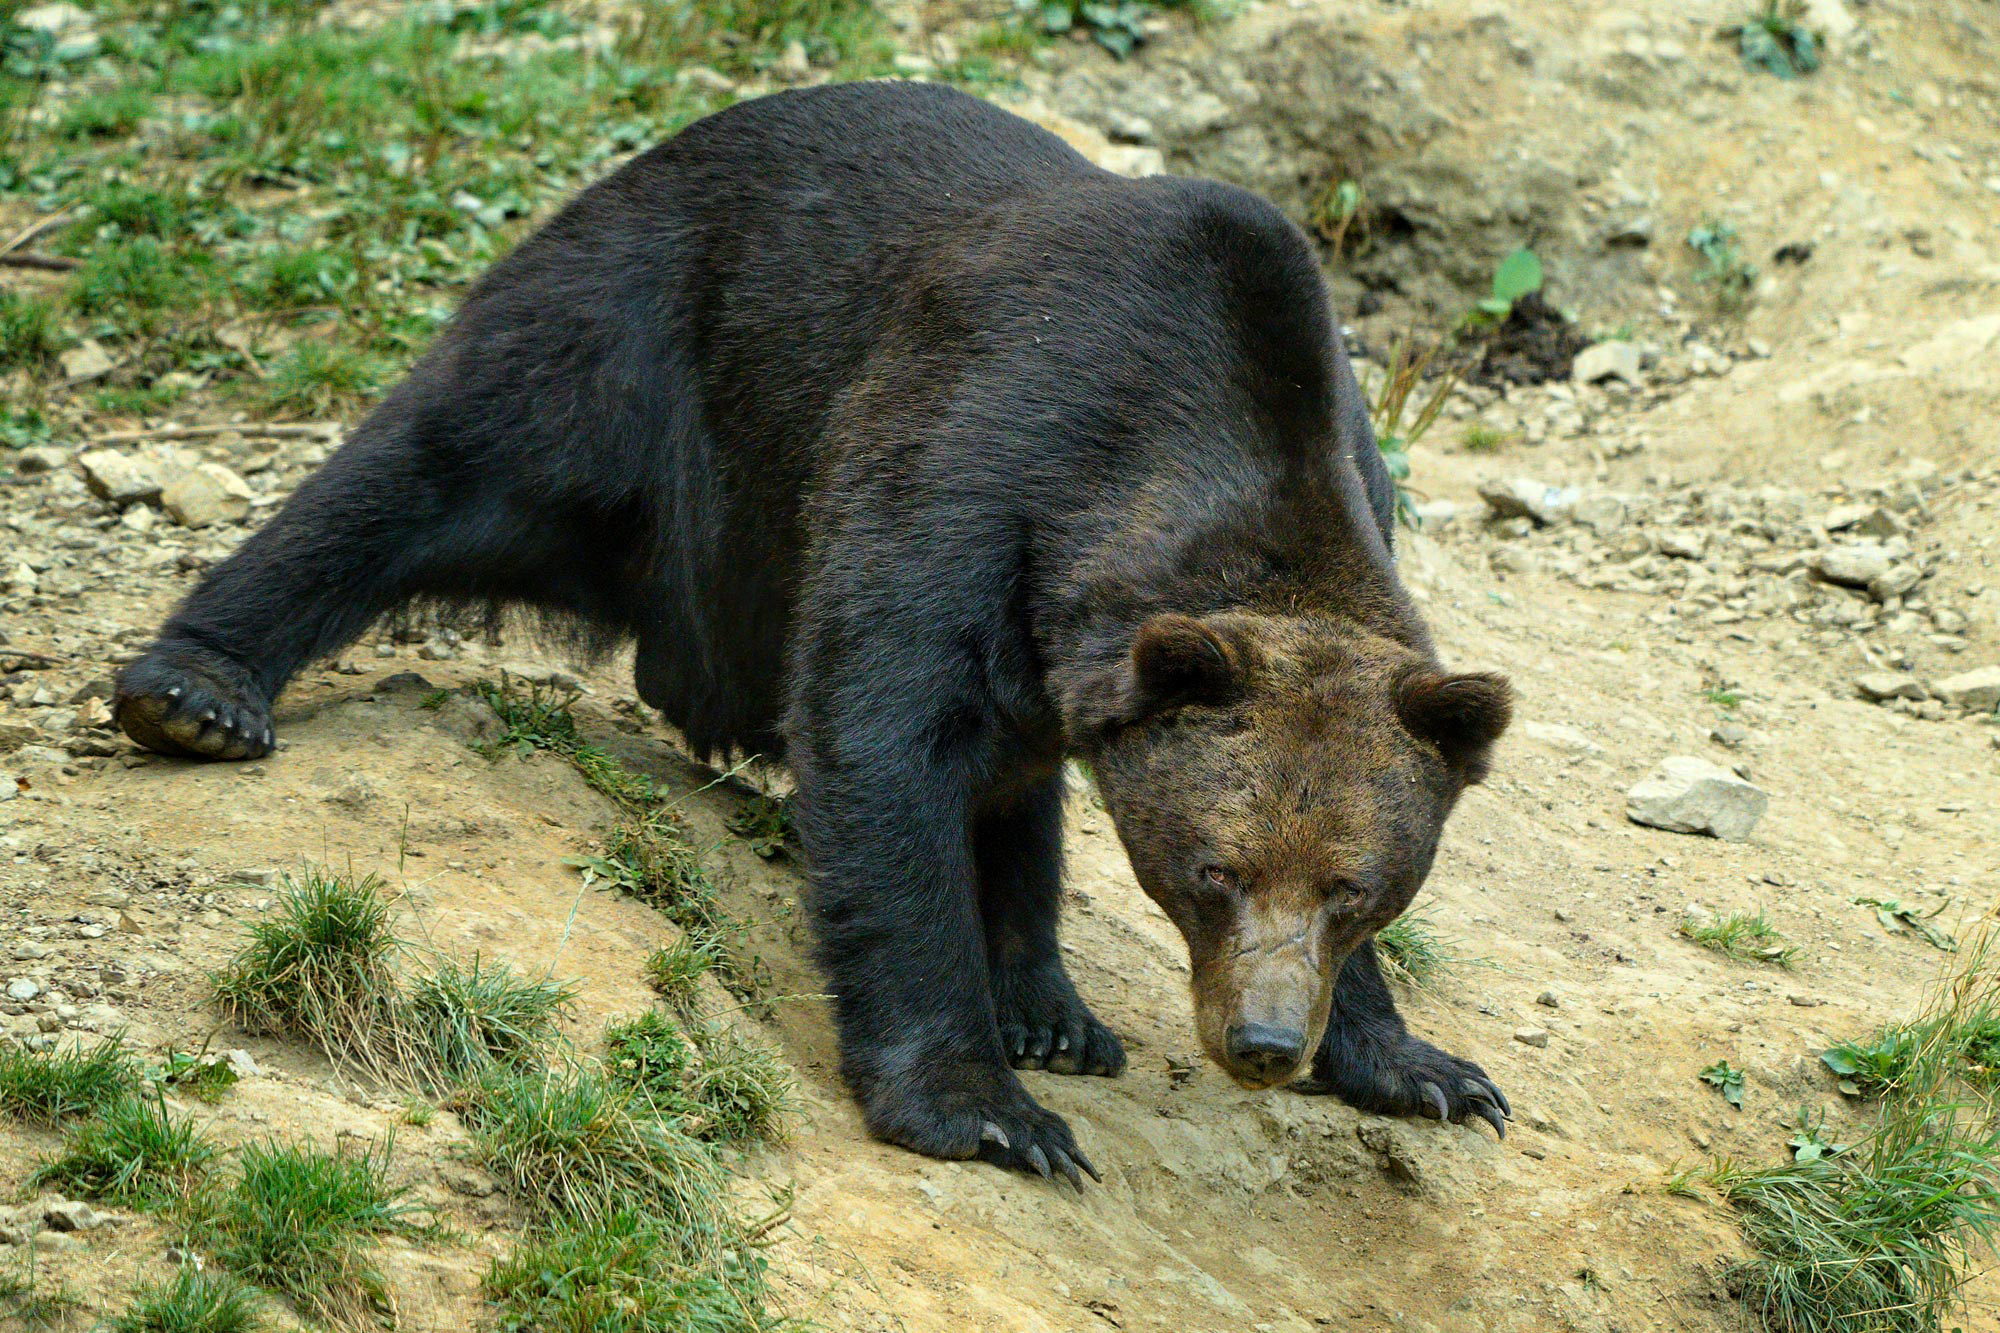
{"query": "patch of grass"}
(132, 282)
(1747, 936)
(1413, 953)
(193, 1301)
(46, 1087)
(469, 1017)
(541, 718)
(710, 1080)
(1726, 699)
(1969, 1040)
(136, 1152)
(314, 277)
(318, 969)
(1883, 1236)
(316, 379)
(765, 822)
(1479, 438)
(30, 333)
(133, 210)
(140, 402)
(572, 1144)
(299, 1221)
(675, 971)
(615, 1273)
(739, 1085)
(106, 115)
(1725, 271)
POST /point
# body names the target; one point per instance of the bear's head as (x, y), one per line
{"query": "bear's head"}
(1279, 784)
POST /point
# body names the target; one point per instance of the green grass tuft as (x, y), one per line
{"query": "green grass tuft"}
(317, 379)
(571, 1144)
(468, 1017)
(676, 970)
(48, 1086)
(135, 1152)
(1882, 1236)
(30, 333)
(1413, 953)
(714, 1083)
(319, 969)
(614, 1275)
(1747, 936)
(193, 1301)
(106, 115)
(299, 1221)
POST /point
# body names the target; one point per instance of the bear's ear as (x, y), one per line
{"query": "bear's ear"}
(1178, 660)
(1461, 714)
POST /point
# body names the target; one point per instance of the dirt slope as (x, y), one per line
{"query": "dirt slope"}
(1869, 375)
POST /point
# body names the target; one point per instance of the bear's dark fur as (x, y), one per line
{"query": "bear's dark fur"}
(917, 452)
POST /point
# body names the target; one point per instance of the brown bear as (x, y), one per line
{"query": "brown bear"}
(914, 451)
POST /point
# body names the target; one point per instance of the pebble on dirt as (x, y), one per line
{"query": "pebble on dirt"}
(1688, 794)
(1524, 497)
(1607, 360)
(1976, 690)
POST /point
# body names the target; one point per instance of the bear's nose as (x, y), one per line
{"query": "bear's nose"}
(1264, 1051)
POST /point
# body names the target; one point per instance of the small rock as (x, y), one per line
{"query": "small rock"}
(1683, 543)
(1688, 794)
(1561, 736)
(1729, 735)
(1602, 514)
(120, 478)
(1854, 566)
(1805, 1001)
(206, 494)
(1524, 497)
(1547, 999)
(86, 361)
(23, 989)
(1616, 359)
(1435, 515)
(72, 1215)
(39, 459)
(1880, 685)
(1532, 1036)
(1897, 581)
(1977, 690)
(13, 735)
(1868, 520)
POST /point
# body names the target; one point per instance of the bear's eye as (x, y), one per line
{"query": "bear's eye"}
(1218, 878)
(1346, 897)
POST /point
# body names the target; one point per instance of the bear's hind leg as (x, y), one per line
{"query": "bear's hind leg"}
(1369, 1060)
(1044, 1024)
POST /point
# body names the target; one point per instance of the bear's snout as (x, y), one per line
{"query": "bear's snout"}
(1264, 1053)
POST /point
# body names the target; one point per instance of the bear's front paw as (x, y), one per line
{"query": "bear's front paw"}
(193, 704)
(1045, 1025)
(960, 1109)
(1410, 1077)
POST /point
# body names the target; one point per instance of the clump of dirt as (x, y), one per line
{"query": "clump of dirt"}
(1536, 343)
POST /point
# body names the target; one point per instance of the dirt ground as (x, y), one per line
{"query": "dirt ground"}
(1685, 618)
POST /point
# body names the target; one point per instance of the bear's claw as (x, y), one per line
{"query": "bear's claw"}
(1405, 1076)
(192, 704)
(1045, 1025)
(966, 1110)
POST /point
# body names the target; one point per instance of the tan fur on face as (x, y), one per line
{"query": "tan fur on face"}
(1309, 789)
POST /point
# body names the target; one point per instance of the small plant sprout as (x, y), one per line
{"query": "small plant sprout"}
(1519, 275)
(1336, 213)
(1776, 39)
(1725, 1080)
(1390, 408)
(1725, 270)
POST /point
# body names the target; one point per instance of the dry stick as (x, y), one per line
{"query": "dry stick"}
(36, 230)
(288, 431)
(50, 263)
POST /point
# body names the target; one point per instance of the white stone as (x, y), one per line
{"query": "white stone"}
(86, 361)
(1607, 360)
(1880, 685)
(120, 478)
(206, 494)
(1977, 690)
(1856, 565)
(1688, 794)
(23, 989)
(1524, 497)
